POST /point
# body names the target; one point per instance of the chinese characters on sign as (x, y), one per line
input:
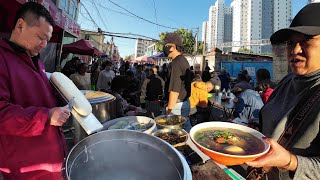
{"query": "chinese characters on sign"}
(61, 19)
(251, 71)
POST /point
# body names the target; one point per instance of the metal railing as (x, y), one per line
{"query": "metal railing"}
(257, 42)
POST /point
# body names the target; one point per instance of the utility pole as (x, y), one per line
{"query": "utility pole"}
(197, 40)
(111, 52)
(204, 50)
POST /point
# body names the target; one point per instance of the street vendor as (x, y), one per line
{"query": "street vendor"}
(32, 144)
(178, 86)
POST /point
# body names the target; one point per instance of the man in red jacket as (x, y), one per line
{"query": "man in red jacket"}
(32, 144)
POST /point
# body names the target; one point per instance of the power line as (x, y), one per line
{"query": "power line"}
(126, 37)
(155, 12)
(129, 15)
(122, 13)
(119, 35)
(132, 34)
(89, 15)
(94, 4)
(141, 17)
(84, 22)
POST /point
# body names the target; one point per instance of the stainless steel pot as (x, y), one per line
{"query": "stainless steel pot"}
(103, 108)
(124, 154)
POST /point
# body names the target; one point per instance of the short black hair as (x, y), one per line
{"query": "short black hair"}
(242, 77)
(245, 72)
(151, 70)
(263, 74)
(80, 66)
(32, 11)
(129, 73)
(75, 58)
(108, 63)
(164, 66)
(118, 83)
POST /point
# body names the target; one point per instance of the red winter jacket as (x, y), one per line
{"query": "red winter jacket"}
(30, 148)
(265, 96)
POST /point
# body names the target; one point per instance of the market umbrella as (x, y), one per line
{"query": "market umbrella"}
(141, 59)
(81, 47)
(144, 59)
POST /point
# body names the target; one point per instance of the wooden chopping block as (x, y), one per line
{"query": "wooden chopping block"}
(208, 171)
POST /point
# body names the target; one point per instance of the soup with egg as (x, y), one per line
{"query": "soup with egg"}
(229, 141)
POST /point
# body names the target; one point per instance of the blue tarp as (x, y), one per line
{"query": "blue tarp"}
(159, 55)
(234, 68)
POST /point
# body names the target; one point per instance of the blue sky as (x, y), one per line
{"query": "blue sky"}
(173, 13)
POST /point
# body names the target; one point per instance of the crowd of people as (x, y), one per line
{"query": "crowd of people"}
(173, 88)
(32, 144)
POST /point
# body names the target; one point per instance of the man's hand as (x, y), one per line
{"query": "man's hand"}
(168, 111)
(58, 115)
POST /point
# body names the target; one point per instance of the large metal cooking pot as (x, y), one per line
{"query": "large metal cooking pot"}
(123, 155)
(103, 108)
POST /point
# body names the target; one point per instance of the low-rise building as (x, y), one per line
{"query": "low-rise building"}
(141, 47)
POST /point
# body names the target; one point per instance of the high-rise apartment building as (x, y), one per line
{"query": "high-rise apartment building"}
(267, 23)
(219, 26)
(259, 19)
(282, 15)
(141, 47)
(247, 24)
(275, 18)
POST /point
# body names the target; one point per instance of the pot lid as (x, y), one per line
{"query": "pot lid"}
(97, 96)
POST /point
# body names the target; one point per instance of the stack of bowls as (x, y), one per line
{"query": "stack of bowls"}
(171, 126)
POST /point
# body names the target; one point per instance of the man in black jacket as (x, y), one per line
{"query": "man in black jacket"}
(152, 91)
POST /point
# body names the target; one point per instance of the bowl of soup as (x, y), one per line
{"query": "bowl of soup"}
(229, 143)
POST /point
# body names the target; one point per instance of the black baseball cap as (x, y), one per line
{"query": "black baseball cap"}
(173, 38)
(305, 22)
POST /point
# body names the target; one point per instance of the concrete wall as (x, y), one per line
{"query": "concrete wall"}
(280, 64)
(96, 39)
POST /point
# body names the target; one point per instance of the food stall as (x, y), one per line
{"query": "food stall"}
(145, 148)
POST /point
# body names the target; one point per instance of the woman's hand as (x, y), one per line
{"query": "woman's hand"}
(276, 157)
